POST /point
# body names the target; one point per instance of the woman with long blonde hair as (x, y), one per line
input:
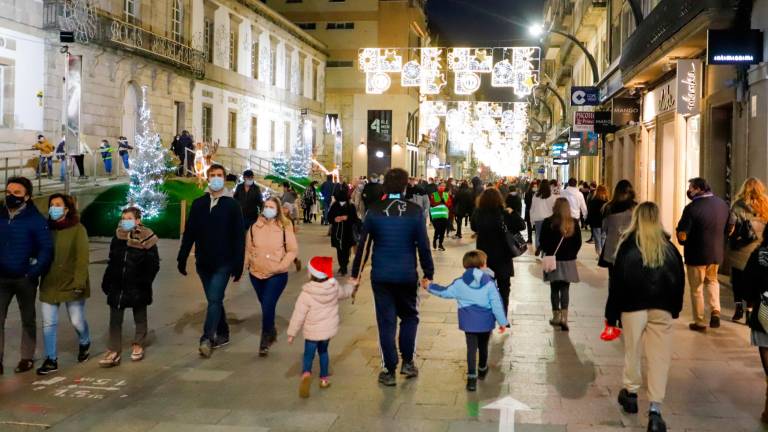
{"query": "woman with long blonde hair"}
(270, 249)
(749, 214)
(561, 238)
(646, 294)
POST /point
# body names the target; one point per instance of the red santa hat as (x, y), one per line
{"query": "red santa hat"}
(321, 267)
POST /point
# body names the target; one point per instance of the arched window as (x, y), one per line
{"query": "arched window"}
(177, 20)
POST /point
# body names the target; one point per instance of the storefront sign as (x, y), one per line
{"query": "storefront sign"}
(583, 144)
(732, 47)
(560, 161)
(662, 99)
(379, 141)
(625, 111)
(603, 122)
(583, 121)
(585, 96)
(536, 138)
(689, 77)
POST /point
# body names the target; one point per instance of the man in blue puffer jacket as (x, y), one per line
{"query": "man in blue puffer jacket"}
(26, 252)
(480, 307)
(397, 229)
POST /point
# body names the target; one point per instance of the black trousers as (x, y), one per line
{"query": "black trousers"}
(503, 281)
(80, 163)
(116, 327)
(441, 225)
(307, 213)
(25, 291)
(343, 255)
(739, 285)
(559, 294)
(459, 222)
(477, 342)
(529, 226)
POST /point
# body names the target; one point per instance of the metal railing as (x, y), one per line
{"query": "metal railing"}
(93, 24)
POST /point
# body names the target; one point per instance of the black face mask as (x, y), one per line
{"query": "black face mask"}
(690, 195)
(13, 202)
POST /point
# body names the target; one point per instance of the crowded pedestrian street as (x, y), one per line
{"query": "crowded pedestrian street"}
(562, 381)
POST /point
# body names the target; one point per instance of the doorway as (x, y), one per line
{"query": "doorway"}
(721, 152)
(131, 112)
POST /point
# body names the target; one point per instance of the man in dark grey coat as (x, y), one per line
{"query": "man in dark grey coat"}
(701, 231)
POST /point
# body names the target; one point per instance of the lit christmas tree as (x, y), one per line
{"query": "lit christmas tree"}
(280, 165)
(301, 159)
(148, 168)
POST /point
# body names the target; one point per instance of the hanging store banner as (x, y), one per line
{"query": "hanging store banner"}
(583, 121)
(603, 122)
(689, 78)
(72, 87)
(536, 138)
(584, 142)
(625, 111)
(585, 96)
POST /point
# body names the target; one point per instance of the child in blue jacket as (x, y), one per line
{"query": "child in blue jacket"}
(480, 308)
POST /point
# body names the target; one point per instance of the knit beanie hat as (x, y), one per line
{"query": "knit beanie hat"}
(321, 267)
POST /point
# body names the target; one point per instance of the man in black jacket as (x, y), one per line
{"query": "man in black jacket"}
(701, 231)
(248, 195)
(397, 228)
(215, 227)
(372, 192)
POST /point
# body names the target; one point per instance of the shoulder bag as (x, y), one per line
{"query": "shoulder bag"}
(515, 241)
(549, 262)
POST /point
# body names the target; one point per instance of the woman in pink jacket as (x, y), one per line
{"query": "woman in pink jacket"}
(317, 314)
(270, 248)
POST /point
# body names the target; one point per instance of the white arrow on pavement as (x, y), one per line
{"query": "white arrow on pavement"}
(51, 381)
(507, 407)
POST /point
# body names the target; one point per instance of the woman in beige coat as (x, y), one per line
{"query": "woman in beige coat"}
(270, 248)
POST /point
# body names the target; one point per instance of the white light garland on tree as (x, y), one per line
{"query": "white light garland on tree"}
(301, 158)
(148, 168)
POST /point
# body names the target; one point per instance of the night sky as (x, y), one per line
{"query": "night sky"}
(483, 22)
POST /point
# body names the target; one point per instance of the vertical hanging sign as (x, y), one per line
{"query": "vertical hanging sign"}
(72, 88)
(689, 78)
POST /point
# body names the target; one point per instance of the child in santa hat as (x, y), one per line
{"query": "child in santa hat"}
(317, 314)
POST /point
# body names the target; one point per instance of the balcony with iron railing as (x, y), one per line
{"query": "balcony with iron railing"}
(91, 24)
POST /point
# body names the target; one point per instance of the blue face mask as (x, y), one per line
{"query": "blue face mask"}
(56, 213)
(127, 224)
(216, 184)
(269, 213)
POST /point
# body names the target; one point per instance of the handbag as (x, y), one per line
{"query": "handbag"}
(549, 262)
(515, 241)
(743, 233)
(762, 312)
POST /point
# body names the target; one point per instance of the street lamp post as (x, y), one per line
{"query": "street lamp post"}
(538, 30)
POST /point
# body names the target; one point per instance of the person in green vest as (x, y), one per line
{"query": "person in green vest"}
(106, 155)
(66, 282)
(440, 204)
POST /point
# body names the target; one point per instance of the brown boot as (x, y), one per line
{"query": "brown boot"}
(564, 320)
(555, 321)
(764, 415)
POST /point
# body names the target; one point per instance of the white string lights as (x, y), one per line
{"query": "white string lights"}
(493, 131)
(512, 67)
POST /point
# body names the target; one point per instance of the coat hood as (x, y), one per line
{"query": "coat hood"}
(477, 278)
(323, 292)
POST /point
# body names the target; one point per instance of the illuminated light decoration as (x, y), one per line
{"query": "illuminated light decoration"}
(377, 82)
(466, 83)
(368, 60)
(411, 75)
(519, 70)
(148, 167)
(301, 156)
(390, 61)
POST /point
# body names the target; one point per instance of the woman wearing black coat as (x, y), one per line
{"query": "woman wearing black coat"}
(489, 221)
(528, 200)
(646, 293)
(463, 206)
(344, 221)
(132, 267)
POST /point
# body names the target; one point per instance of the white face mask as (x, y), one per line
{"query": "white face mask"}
(249, 182)
(342, 202)
(269, 213)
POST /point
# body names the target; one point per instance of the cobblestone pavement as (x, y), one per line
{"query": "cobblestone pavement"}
(568, 381)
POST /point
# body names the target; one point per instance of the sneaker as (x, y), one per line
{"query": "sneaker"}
(441, 248)
(714, 321)
(49, 366)
(628, 401)
(137, 352)
(205, 349)
(264, 345)
(24, 366)
(325, 383)
(83, 352)
(306, 382)
(410, 370)
(219, 342)
(387, 378)
(697, 328)
(471, 384)
(482, 372)
(656, 423)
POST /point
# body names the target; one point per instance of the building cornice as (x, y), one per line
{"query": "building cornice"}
(282, 22)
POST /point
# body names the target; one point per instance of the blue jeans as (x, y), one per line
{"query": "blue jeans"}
(63, 169)
(124, 157)
(597, 236)
(76, 311)
(45, 162)
(309, 356)
(108, 166)
(269, 291)
(214, 284)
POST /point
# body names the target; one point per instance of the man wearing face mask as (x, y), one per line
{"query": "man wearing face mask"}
(248, 195)
(701, 231)
(215, 227)
(440, 205)
(26, 252)
(397, 230)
